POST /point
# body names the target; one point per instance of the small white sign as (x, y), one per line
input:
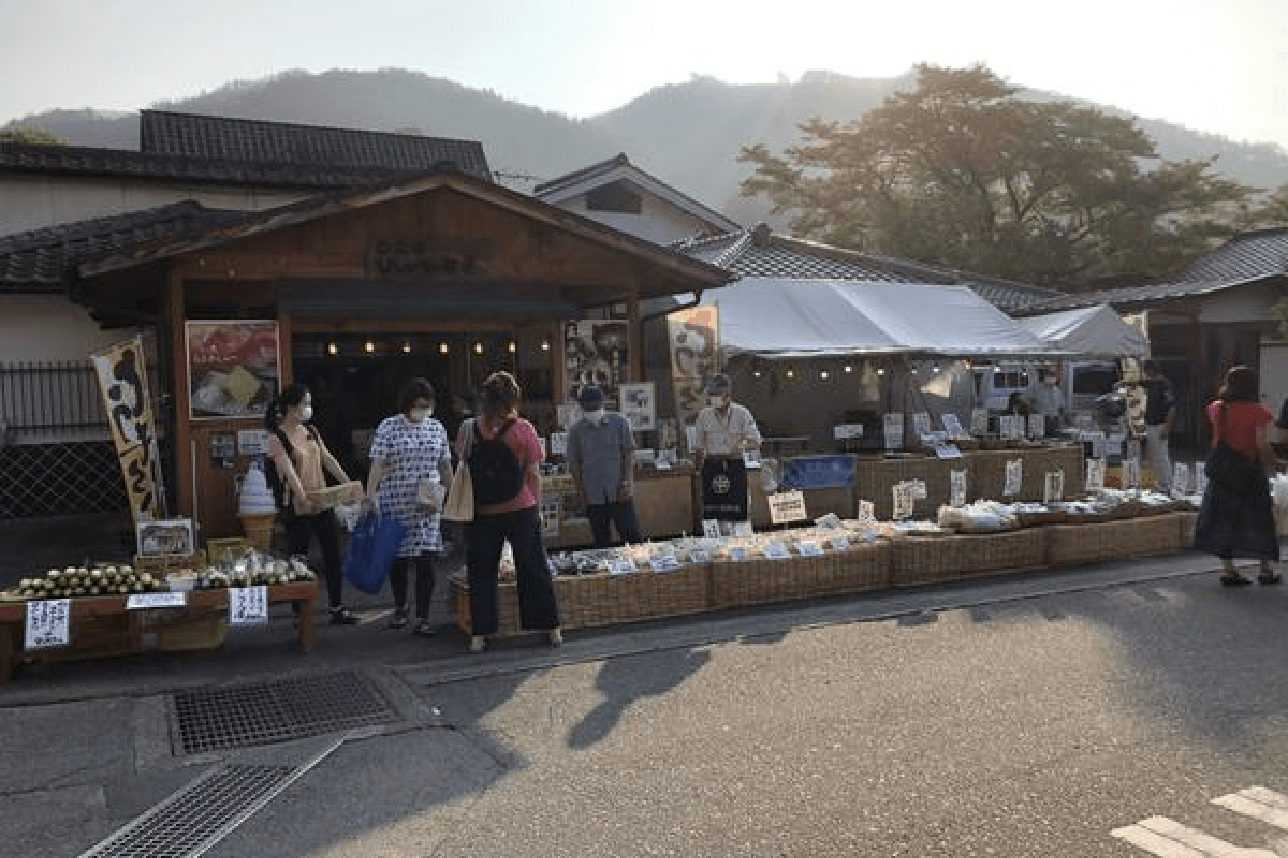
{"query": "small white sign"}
(775, 550)
(664, 563)
(847, 431)
(956, 488)
(1180, 480)
(921, 423)
(620, 564)
(742, 528)
(1097, 440)
(1014, 477)
(867, 512)
(711, 528)
(1131, 473)
(1011, 426)
(786, 506)
(892, 430)
(1095, 475)
(1037, 426)
(662, 464)
(252, 442)
(978, 421)
(952, 425)
(559, 444)
(947, 451)
(840, 542)
(247, 605)
(902, 501)
(48, 623)
(156, 600)
(809, 548)
(1053, 487)
(917, 489)
(1200, 478)
(699, 555)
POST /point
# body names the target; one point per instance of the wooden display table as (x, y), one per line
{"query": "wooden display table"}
(102, 626)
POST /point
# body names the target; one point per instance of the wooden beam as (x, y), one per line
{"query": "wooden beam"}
(285, 368)
(175, 316)
(333, 325)
(635, 338)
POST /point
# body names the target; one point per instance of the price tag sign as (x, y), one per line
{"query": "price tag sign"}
(917, 489)
(828, 522)
(742, 528)
(952, 425)
(957, 488)
(559, 443)
(1098, 447)
(892, 430)
(662, 464)
(156, 600)
(699, 555)
(1131, 473)
(247, 605)
(1053, 487)
(1014, 477)
(867, 512)
(1180, 480)
(1095, 475)
(48, 623)
(1037, 426)
(620, 564)
(711, 528)
(809, 548)
(847, 432)
(979, 421)
(775, 550)
(947, 451)
(1200, 478)
(902, 501)
(921, 423)
(840, 542)
(737, 552)
(786, 506)
(1014, 427)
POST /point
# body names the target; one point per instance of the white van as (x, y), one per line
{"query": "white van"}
(1082, 381)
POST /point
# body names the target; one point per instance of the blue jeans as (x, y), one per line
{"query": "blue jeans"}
(619, 513)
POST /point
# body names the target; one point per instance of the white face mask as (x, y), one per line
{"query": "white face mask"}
(306, 413)
(717, 401)
(596, 416)
(418, 415)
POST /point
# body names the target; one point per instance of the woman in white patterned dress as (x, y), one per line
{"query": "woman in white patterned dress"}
(411, 468)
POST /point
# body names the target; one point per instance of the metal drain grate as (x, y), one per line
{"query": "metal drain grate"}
(262, 713)
(200, 815)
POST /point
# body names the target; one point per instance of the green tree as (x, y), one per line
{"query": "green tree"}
(29, 135)
(964, 173)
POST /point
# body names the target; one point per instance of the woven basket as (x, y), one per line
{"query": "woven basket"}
(758, 581)
(854, 570)
(983, 553)
(1075, 544)
(923, 560)
(1188, 520)
(1142, 537)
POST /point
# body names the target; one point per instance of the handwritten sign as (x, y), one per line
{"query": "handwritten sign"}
(892, 430)
(48, 623)
(978, 421)
(247, 605)
(1037, 425)
(847, 431)
(1053, 487)
(1131, 473)
(917, 489)
(699, 555)
(786, 506)
(947, 451)
(1095, 475)
(951, 424)
(902, 501)
(921, 423)
(957, 488)
(1200, 478)
(867, 512)
(742, 528)
(664, 563)
(711, 528)
(1014, 477)
(156, 600)
(809, 548)
(1180, 480)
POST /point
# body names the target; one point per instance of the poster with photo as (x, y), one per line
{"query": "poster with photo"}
(233, 368)
(694, 341)
(596, 352)
(639, 405)
(165, 538)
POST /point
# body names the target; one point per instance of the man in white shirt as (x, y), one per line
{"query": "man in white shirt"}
(725, 430)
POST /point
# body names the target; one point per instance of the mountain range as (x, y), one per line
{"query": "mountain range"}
(686, 134)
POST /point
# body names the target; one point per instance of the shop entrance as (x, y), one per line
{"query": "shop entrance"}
(355, 380)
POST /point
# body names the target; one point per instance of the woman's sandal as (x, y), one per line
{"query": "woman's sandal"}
(555, 637)
(478, 643)
(1235, 580)
(1270, 579)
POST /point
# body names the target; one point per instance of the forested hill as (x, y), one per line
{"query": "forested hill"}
(687, 134)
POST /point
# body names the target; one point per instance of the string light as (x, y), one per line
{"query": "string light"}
(849, 368)
(478, 348)
(442, 348)
(511, 346)
(406, 348)
(791, 373)
(369, 347)
(332, 348)
(545, 345)
(824, 375)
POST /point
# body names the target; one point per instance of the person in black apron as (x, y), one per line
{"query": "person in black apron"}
(725, 430)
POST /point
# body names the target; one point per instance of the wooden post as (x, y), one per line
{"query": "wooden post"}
(175, 313)
(635, 337)
(285, 368)
(558, 376)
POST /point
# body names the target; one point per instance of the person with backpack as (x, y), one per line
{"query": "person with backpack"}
(298, 462)
(411, 467)
(503, 452)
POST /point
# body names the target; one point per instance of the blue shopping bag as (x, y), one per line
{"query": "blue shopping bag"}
(371, 551)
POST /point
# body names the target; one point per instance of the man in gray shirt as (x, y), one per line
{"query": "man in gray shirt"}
(601, 453)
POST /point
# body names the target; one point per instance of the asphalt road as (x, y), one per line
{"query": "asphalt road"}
(1026, 717)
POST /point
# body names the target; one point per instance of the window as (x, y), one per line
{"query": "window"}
(614, 197)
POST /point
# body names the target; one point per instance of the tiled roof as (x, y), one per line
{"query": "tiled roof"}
(1249, 258)
(760, 253)
(258, 141)
(40, 261)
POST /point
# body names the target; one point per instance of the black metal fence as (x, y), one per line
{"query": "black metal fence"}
(44, 399)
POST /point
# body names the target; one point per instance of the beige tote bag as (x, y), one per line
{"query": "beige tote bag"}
(460, 497)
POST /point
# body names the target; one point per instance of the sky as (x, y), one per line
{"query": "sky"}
(1218, 66)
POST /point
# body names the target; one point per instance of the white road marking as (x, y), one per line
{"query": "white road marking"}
(1160, 836)
(1258, 803)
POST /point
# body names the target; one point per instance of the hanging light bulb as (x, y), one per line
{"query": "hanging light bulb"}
(406, 348)
(849, 368)
(511, 346)
(791, 373)
(369, 347)
(545, 345)
(757, 373)
(824, 375)
(332, 348)
(478, 347)
(443, 348)
(880, 370)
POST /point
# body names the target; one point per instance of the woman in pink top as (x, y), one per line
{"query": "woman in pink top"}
(1237, 517)
(505, 496)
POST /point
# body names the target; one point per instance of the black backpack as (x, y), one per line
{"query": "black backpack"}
(274, 479)
(496, 474)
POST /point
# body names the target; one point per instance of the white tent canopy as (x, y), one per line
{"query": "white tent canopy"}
(785, 318)
(1095, 331)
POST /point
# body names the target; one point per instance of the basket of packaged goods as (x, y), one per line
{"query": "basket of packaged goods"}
(923, 555)
(1145, 536)
(984, 553)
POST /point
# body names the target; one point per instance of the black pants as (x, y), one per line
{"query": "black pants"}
(299, 530)
(619, 513)
(484, 537)
(424, 567)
